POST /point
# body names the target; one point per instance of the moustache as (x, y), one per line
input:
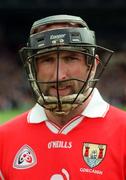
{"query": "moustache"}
(60, 84)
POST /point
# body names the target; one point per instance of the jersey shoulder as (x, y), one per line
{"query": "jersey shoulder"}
(117, 114)
(117, 111)
(15, 122)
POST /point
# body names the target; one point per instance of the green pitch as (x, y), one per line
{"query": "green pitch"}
(8, 114)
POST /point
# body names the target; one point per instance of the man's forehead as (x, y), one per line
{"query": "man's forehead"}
(62, 53)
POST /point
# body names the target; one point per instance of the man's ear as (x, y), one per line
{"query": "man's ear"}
(96, 62)
(97, 59)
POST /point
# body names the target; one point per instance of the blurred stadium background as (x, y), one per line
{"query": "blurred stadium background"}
(106, 17)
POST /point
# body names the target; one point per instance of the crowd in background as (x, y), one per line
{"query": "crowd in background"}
(15, 91)
(113, 82)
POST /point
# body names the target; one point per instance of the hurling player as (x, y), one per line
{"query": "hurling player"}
(71, 133)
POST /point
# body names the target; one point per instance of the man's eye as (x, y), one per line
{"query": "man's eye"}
(71, 58)
(45, 60)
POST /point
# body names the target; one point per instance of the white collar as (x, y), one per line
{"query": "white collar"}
(97, 107)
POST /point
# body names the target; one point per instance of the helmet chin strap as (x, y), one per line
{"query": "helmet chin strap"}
(66, 102)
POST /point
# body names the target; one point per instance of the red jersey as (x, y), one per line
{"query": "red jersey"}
(92, 148)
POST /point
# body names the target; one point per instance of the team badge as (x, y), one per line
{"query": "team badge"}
(93, 154)
(25, 158)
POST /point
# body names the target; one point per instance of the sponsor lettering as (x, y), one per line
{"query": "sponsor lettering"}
(59, 144)
(58, 36)
(91, 171)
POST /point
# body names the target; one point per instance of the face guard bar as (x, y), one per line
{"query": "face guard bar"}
(81, 40)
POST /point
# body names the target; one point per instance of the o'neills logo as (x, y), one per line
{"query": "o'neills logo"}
(58, 36)
(93, 154)
(60, 144)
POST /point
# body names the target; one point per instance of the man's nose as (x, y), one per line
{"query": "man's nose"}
(61, 70)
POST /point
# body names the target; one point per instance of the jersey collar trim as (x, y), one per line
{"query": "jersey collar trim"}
(97, 107)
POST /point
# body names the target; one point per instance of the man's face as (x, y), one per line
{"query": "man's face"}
(70, 65)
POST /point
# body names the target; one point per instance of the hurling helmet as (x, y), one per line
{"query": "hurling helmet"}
(77, 38)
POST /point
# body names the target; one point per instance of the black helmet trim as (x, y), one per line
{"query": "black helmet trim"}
(67, 36)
